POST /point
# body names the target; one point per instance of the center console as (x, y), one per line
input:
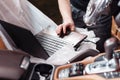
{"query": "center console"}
(98, 70)
(16, 65)
(42, 71)
(102, 67)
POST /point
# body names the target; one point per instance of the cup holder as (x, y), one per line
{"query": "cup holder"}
(42, 72)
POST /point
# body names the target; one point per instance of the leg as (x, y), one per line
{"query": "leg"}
(102, 29)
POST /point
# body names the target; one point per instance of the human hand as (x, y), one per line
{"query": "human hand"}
(65, 28)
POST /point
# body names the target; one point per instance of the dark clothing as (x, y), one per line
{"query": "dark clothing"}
(80, 4)
(102, 29)
(115, 8)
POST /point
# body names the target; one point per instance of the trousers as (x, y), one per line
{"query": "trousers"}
(102, 29)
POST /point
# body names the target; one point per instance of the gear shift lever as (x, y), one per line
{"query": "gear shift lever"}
(105, 65)
(109, 46)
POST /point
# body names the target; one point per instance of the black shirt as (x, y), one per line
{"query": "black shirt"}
(80, 4)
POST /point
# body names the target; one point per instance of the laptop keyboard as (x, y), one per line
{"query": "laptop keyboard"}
(51, 43)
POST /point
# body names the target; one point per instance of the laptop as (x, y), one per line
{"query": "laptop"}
(61, 50)
(51, 47)
(23, 39)
(52, 43)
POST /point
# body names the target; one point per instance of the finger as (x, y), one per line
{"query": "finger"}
(72, 28)
(64, 29)
(58, 30)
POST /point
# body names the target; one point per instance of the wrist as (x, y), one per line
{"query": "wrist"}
(66, 20)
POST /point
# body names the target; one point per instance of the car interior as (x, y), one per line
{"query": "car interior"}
(16, 51)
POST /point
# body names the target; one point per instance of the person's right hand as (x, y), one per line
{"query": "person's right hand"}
(62, 28)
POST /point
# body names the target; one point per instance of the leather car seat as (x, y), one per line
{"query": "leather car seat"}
(13, 64)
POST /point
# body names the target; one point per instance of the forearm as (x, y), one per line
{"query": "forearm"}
(65, 9)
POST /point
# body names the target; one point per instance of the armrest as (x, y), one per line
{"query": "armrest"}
(85, 54)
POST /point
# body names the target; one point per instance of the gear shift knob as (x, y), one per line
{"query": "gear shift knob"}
(109, 46)
(109, 65)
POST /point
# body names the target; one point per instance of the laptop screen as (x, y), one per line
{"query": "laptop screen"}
(24, 40)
